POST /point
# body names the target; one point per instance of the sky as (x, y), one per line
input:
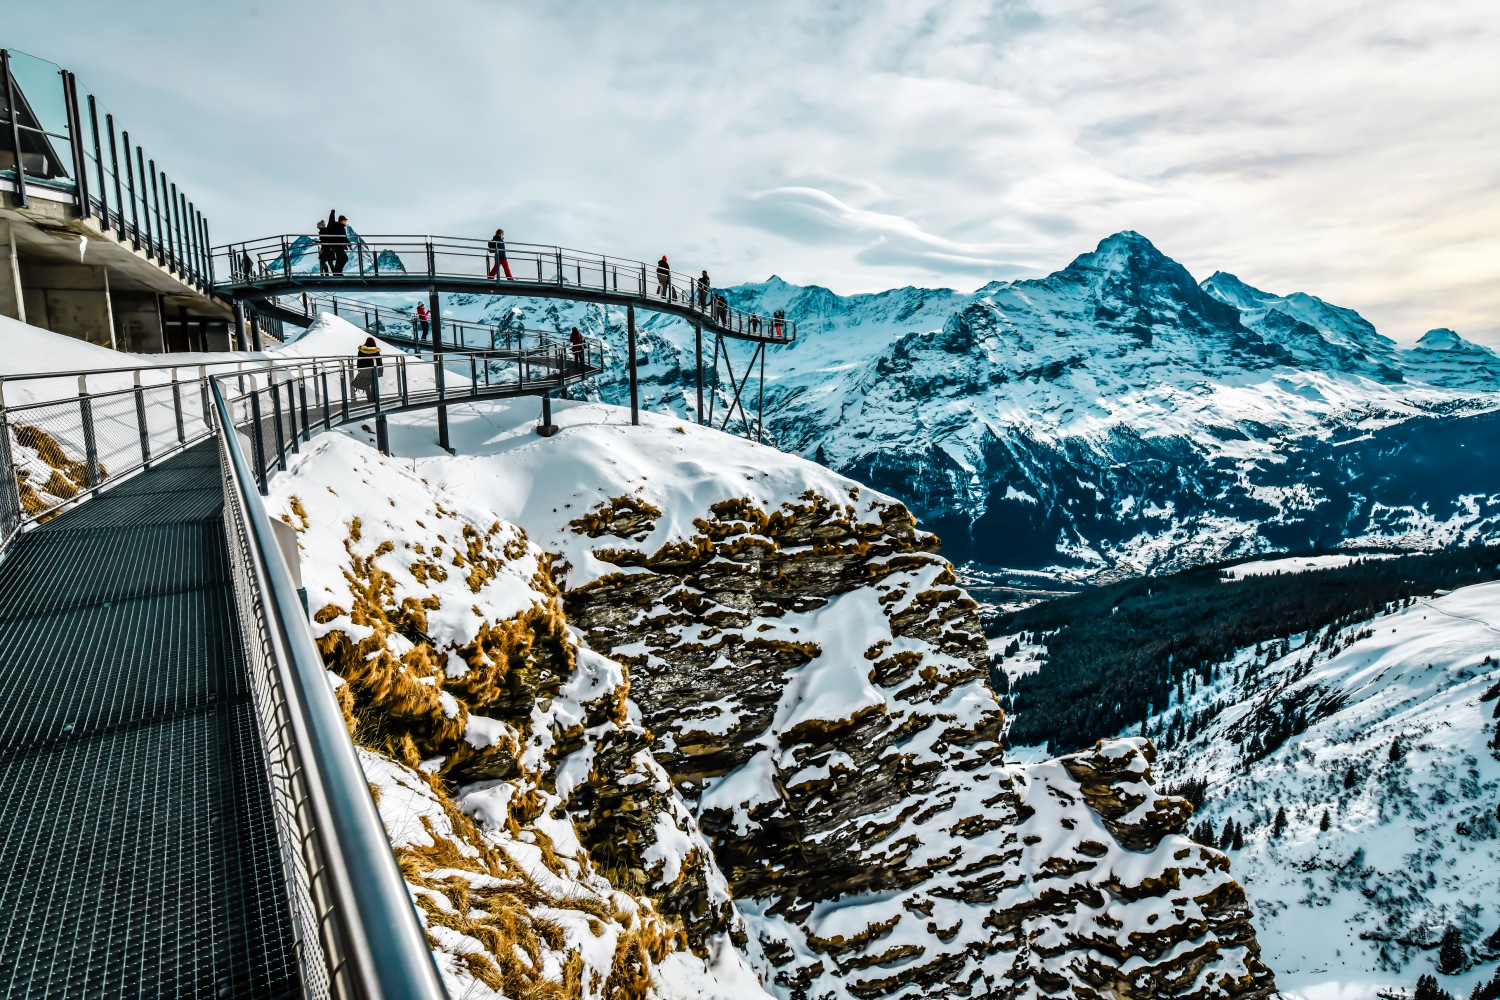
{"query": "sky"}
(1346, 149)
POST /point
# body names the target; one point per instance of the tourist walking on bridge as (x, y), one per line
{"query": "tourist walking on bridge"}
(325, 249)
(497, 247)
(576, 339)
(367, 365)
(703, 288)
(338, 240)
(664, 279)
(424, 323)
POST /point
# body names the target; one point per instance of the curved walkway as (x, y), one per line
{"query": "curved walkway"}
(279, 265)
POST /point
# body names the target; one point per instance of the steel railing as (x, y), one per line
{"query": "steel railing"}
(402, 326)
(358, 934)
(294, 260)
(60, 449)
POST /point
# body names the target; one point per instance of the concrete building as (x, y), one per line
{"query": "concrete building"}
(95, 241)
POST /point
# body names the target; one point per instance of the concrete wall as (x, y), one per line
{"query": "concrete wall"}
(69, 298)
(12, 302)
(138, 327)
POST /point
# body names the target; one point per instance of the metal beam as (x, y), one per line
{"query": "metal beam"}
(75, 137)
(698, 365)
(435, 307)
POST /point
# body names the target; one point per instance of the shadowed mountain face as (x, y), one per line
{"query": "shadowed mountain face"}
(1115, 417)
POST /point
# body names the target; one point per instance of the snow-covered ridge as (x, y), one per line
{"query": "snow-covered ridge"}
(1115, 418)
(1393, 736)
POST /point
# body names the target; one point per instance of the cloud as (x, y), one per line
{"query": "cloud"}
(1336, 147)
(815, 217)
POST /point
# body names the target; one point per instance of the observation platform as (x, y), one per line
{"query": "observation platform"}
(265, 269)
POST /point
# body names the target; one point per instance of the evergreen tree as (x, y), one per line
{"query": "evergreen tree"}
(1227, 836)
(1323, 823)
(1428, 989)
(1451, 957)
(1492, 944)
(1279, 824)
(1395, 753)
(1239, 838)
(1351, 777)
(1491, 990)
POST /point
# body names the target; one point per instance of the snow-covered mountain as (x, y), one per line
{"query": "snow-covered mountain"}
(1115, 417)
(1387, 789)
(657, 712)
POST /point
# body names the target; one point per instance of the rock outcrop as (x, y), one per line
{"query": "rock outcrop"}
(815, 679)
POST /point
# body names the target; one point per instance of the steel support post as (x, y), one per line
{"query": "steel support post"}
(135, 208)
(698, 365)
(760, 407)
(114, 165)
(256, 343)
(177, 408)
(258, 442)
(140, 169)
(436, 308)
(547, 428)
(241, 335)
(140, 420)
(75, 130)
(327, 408)
(15, 128)
(99, 163)
(90, 445)
(10, 499)
(635, 394)
(280, 462)
(302, 392)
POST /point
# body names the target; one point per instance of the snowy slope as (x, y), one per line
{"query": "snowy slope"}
(837, 729)
(1413, 843)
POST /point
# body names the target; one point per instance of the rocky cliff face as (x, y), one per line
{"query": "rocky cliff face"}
(546, 849)
(815, 679)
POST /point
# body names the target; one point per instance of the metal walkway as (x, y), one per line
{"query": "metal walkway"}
(135, 820)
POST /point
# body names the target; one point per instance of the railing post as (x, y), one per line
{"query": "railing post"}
(344, 391)
(10, 498)
(402, 383)
(302, 393)
(257, 422)
(90, 446)
(75, 138)
(559, 266)
(431, 263)
(473, 376)
(140, 419)
(208, 419)
(280, 462)
(177, 407)
(327, 414)
(135, 207)
(99, 164)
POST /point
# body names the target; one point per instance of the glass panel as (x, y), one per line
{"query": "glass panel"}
(42, 116)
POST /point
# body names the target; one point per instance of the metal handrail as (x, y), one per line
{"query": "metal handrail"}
(372, 943)
(270, 261)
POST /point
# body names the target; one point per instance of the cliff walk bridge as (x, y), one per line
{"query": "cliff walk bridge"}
(182, 810)
(276, 274)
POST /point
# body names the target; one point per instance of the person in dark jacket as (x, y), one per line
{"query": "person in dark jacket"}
(337, 231)
(325, 249)
(755, 322)
(366, 368)
(664, 279)
(497, 247)
(721, 310)
(703, 288)
(576, 339)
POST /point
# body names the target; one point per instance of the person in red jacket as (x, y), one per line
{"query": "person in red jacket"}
(576, 339)
(424, 323)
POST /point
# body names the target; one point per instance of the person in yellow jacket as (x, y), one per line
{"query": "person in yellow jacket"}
(369, 360)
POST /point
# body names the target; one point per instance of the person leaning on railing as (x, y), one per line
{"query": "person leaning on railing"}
(369, 361)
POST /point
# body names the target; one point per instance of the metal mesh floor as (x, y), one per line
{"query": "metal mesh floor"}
(140, 852)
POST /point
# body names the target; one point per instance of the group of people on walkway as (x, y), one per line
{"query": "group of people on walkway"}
(333, 243)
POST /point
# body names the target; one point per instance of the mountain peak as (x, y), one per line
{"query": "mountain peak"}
(1441, 339)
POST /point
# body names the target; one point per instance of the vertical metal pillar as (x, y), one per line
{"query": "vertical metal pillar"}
(698, 366)
(99, 163)
(258, 424)
(90, 443)
(161, 230)
(241, 337)
(15, 129)
(140, 169)
(548, 428)
(256, 342)
(760, 407)
(114, 165)
(135, 208)
(75, 137)
(436, 309)
(635, 393)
